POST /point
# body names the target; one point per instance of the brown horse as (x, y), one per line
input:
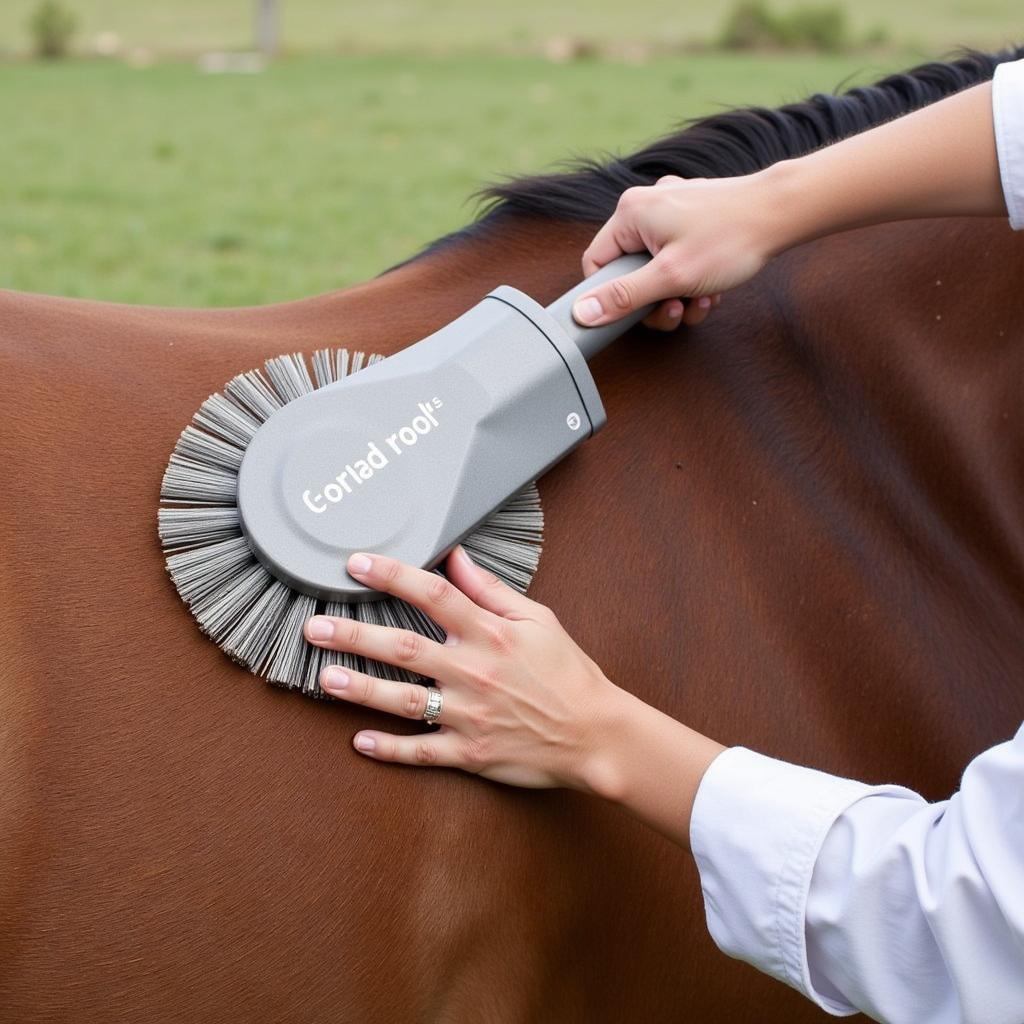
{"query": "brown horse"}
(802, 531)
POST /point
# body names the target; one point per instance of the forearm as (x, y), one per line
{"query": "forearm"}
(651, 765)
(939, 161)
(712, 234)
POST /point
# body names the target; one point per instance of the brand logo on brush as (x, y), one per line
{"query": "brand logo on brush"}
(356, 473)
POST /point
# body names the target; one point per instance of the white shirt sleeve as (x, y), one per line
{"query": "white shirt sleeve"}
(867, 897)
(1008, 119)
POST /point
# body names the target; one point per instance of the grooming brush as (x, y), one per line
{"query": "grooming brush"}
(284, 474)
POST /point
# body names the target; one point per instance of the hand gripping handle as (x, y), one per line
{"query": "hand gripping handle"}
(590, 340)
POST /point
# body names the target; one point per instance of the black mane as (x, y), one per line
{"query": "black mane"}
(732, 143)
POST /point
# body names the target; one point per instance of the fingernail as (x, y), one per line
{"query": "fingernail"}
(365, 743)
(587, 311)
(703, 302)
(675, 311)
(319, 628)
(358, 565)
(334, 679)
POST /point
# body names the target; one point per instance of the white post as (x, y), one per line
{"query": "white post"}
(267, 27)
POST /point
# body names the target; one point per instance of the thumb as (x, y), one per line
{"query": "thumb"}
(614, 299)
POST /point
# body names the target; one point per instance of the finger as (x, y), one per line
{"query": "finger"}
(408, 700)
(400, 647)
(432, 594)
(696, 310)
(616, 237)
(440, 749)
(485, 589)
(667, 317)
(614, 299)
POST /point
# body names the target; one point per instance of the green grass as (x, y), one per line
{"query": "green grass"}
(164, 185)
(159, 184)
(454, 26)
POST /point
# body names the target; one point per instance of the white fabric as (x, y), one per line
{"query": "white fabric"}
(867, 897)
(1008, 118)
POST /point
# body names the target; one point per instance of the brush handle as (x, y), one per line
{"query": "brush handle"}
(590, 340)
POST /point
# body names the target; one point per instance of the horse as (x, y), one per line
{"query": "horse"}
(802, 531)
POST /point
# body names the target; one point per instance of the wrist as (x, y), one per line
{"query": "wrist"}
(649, 764)
(789, 196)
(606, 766)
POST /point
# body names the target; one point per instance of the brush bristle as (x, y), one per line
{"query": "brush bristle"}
(238, 603)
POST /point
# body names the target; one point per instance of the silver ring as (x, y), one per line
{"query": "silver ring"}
(435, 702)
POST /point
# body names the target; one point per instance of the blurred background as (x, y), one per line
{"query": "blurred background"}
(235, 152)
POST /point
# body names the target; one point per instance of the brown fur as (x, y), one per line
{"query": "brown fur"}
(802, 531)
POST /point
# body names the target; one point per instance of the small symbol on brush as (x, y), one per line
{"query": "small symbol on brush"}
(573, 421)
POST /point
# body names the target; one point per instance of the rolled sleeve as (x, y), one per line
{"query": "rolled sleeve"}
(1008, 120)
(869, 897)
(756, 829)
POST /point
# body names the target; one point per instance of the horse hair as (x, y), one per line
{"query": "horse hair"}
(734, 142)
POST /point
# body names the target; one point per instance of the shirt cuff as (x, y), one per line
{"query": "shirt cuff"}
(755, 831)
(1008, 121)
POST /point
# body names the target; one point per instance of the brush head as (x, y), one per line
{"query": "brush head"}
(239, 594)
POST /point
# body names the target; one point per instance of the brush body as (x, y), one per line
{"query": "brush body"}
(411, 455)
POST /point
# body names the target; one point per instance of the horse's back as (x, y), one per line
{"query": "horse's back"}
(183, 842)
(803, 531)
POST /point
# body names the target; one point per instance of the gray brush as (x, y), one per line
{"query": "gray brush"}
(286, 473)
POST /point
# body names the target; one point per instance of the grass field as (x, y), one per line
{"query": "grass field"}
(164, 185)
(458, 26)
(144, 180)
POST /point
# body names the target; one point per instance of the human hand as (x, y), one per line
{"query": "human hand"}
(706, 236)
(522, 703)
